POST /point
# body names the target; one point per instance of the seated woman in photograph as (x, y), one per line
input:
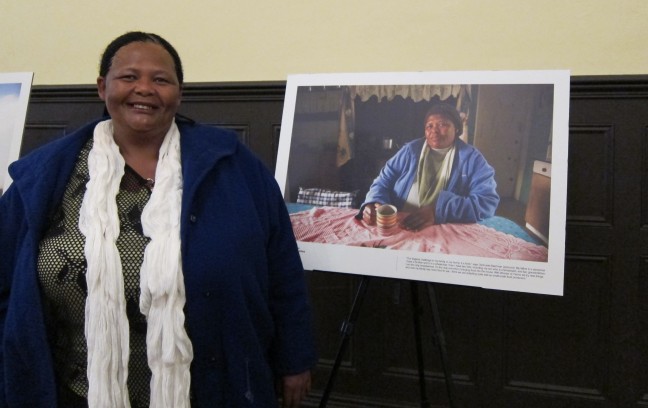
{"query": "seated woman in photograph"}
(436, 179)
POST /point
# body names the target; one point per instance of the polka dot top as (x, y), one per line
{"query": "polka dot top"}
(62, 270)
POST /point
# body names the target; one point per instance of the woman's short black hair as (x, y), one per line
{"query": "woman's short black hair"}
(134, 36)
(448, 111)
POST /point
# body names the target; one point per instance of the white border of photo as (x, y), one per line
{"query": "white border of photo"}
(14, 98)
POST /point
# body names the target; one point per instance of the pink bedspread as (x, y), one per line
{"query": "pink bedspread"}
(331, 225)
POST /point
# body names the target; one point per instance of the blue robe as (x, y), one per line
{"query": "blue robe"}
(470, 195)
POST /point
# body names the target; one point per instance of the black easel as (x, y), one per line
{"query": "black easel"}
(438, 339)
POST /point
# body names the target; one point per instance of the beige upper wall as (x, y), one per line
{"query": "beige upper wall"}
(259, 40)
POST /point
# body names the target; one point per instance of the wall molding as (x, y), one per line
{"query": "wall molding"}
(195, 92)
(609, 86)
(581, 87)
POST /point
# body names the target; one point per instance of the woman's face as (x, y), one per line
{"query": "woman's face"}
(439, 132)
(141, 90)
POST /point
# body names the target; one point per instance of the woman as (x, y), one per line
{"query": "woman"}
(127, 278)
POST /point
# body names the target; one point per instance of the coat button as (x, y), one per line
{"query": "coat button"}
(192, 218)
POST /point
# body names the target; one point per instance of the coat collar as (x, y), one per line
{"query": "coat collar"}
(201, 147)
(41, 176)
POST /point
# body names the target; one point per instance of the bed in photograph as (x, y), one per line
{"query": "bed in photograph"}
(329, 218)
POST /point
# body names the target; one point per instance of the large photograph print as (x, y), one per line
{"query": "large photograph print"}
(14, 97)
(451, 177)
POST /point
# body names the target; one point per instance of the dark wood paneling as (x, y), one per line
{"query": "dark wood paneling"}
(585, 349)
(253, 111)
(618, 108)
(642, 341)
(591, 203)
(556, 347)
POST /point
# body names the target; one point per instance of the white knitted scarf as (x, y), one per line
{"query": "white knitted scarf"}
(161, 280)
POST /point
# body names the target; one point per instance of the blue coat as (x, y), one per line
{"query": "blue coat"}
(470, 195)
(247, 312)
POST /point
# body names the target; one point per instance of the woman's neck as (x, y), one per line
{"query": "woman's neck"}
(141, 154)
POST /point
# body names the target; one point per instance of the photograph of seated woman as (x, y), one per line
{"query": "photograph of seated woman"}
(148, 260)
(436, 179)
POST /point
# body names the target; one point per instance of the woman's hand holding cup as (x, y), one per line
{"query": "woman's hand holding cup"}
(369, 213)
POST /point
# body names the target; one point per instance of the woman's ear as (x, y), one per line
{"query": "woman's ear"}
(101, 87)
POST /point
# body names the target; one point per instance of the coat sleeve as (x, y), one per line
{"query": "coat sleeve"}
(389, 186)
(472, 196)
(12, 227)
(293, 349)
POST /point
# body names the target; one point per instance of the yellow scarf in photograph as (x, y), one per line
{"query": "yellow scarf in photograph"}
(432, 176)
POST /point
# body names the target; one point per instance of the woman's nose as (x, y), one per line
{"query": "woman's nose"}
(144, 86)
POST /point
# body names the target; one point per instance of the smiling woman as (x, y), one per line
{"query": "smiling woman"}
(154, 293)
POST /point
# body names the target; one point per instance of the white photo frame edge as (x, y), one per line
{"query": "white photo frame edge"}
(15, 141)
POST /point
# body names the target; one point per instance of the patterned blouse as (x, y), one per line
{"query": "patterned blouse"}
(62, 270)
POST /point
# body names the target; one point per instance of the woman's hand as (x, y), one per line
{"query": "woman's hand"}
(419, 219)
(369, 213)
(294, 388)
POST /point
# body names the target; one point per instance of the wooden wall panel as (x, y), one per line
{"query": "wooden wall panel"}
(623, 113)
(557, 346)
(39, 133)
(641, 392)
(591, 164)
(644, 179)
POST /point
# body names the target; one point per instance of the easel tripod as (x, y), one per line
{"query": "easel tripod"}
(438, 337)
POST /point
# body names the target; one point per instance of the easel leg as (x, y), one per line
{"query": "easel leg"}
(347, 330)
(441, 342)
(416, 311)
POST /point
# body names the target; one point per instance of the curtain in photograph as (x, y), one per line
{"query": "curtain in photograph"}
(415, 92)
(345, 148)
(345, 145)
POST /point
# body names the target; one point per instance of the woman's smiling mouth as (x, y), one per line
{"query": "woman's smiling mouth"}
(142, 107)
